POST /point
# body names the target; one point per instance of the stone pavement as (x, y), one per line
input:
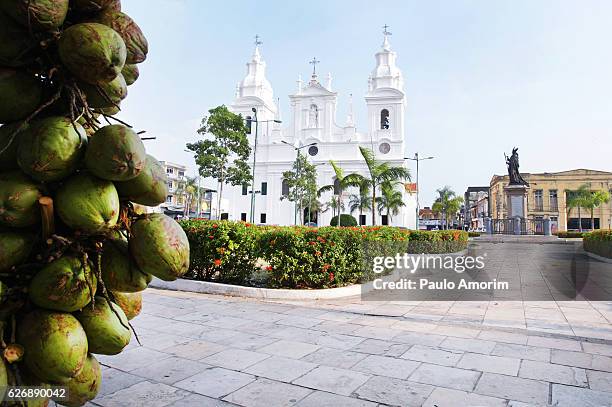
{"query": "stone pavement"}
(204, 350)
(201, 350)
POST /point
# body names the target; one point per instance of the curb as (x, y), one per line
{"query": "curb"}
(207, 287)
(598, 257)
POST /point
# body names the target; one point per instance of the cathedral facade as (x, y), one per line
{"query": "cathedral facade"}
(313, 126)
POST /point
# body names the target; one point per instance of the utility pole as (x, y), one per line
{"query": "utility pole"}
(297, 176)
(417, 160)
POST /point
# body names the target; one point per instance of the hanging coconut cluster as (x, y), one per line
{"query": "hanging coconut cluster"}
(76, 246)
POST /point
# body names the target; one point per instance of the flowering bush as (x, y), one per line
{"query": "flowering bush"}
(302, 257)
(222, 251)
(598, 242)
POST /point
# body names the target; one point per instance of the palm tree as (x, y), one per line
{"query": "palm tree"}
(342, 183)
(380, 172)
(593, 200)
(361, 201)
(578, 199)
(188, 191)
(390, 200)
(447, 203)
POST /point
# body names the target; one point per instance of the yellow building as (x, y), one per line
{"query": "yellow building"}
(547, 195)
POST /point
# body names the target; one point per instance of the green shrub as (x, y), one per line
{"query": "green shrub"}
(302, 257)
(345, 220)
(598, 242)
(222, 251)
(570, 234)
(474, 234)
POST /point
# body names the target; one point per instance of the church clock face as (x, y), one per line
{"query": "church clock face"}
(384, 148)
(313, 150)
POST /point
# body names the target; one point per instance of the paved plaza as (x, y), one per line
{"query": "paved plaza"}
(205, 350)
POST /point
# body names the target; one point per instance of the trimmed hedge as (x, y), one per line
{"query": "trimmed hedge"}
(345, 220)
(302, 257)
(570, 235)
(474, 234)
(598, 242)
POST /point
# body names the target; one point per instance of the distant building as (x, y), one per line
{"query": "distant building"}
(476, 206)
(176, 176)
(428, 219)
(547, 197)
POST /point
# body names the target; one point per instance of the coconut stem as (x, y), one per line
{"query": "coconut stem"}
(27, 120)
(107, 117)
(48, 222)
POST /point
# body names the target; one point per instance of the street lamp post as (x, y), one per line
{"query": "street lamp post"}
(254, 110)
(310, 201)
(254, 162)
(297, 173)
(417, 160)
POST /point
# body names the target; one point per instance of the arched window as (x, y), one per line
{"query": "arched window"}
(384, 119)
(249, 122)
(285, 188)
(336, 186)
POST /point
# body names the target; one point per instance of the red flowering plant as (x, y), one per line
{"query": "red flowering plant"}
(302, 257)
(311, 258)
(222, 251)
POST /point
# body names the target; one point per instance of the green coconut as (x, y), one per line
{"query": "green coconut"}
(94, 6)
(14, 249)
(85, 386)
(135, 41)
(149, 188)
(55, 343)
(159, 245)
(66, 284)
(18, 200)
(8, 146)
(131, 73)
(115, 153)
(94, 53)
(40, 15)
(130, 303)
(106, 95)
(107, 328)
(51, 148)
(17, 48)
(88, 204)
(119, 271)
(21, 95)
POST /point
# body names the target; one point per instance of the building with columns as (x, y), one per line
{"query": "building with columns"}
(313, 120)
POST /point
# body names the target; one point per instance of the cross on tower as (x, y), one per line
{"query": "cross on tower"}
(314, 63)
(385, 30)
(257, 41)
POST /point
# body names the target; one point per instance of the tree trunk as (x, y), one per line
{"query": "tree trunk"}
(374, 206)
(593, 220)
(579, 220)
(219, 196)
(339, 207)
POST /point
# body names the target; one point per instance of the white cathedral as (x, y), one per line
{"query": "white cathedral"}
(313, 120)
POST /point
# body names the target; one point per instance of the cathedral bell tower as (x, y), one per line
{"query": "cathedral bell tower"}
(386, 99)
(255, 91)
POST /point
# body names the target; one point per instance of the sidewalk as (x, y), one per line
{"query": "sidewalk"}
(201, 350)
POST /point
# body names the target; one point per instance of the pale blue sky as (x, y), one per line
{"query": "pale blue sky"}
(480, 76)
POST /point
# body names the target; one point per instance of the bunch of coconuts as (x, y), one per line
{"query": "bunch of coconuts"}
(76, 244)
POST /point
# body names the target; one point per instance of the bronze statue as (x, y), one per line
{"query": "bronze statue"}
(513, 169)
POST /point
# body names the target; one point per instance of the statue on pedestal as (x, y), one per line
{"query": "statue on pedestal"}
(513, 168)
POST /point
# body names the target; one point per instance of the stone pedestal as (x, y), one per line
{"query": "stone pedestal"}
(516, 201)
